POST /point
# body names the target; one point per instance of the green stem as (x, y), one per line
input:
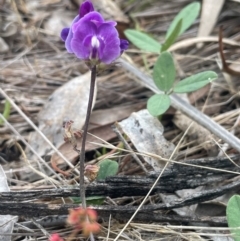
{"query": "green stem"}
(84, 137)
(6, 112)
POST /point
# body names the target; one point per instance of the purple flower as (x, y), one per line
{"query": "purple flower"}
(85, 8)
(93, 39)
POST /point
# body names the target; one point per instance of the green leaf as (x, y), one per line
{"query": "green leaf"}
(195, 82)
(188, 16)
(173, 36)
(143, 41)
(233, 214)
(6, 112)
(94, 200)
(107, 168)
(164, 72)
(158, 104)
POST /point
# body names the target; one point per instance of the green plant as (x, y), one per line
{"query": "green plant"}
(233, 214)
(107, 168)
(164, 78)
(179, 25)
(94, 200)
(96, 42)
(164, 72)
(6, 111)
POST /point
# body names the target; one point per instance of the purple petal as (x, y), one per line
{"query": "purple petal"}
(85, 8)
(90, 17)
(123, 44)
(81, 41)
(99, 50)
(70, 35)
(82, 49)
(91, 38)
(109, 35)
(64, 33)
(95, 46)
(113, 23)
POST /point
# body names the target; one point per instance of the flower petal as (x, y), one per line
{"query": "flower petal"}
(81, 41)
(90, 17)
(123, 44)
(109, 35)
(64, 33)
(55, 237)
(91, 38)
(97, 53)
(113, 23)
(85, 8)
(70, 35)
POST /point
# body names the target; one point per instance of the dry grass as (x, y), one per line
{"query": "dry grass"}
(37, 64)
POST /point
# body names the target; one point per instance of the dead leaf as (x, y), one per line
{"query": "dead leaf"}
(103, 132)
(146, 134)
(108, 116)
(67, 102)
(100, 126)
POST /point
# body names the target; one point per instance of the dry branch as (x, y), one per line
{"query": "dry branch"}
(118, 212)
(177, 177)
(34, 209)
(60, 220)
(191, 174)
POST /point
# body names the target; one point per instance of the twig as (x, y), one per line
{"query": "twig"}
(225, 67)
(186, 108)
(193, 41)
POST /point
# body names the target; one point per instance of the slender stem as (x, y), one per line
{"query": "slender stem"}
(84, 137)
